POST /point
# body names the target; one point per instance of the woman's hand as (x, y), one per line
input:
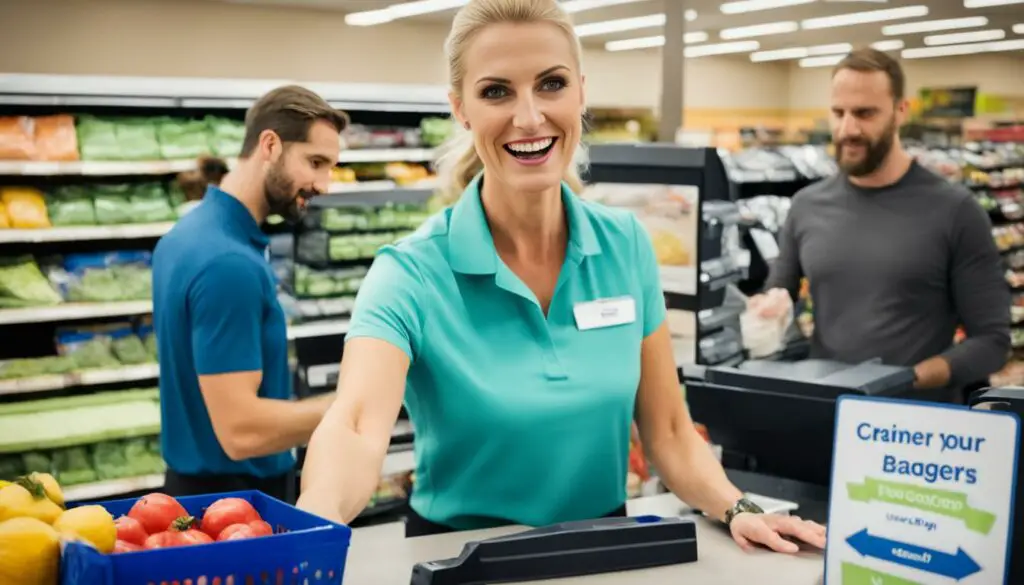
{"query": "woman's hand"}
(770, 529)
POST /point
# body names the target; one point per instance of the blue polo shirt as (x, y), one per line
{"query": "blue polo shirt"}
(215, 311)
(519, 417)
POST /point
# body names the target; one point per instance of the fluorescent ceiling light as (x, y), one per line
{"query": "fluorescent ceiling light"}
(652, 42)
(889, 45)
(419, 7)
(865, 17)
(965, 37)
(801, 52)
(572, 6)
(823, 61)
(759, 30)
(619, 25)
(721, 49)
(690, 15)
(1019, 28)
(742, 6)
(932, 25)
(984, 3)
(970, 49)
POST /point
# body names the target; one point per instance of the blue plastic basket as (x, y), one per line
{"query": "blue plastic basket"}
(304, 549)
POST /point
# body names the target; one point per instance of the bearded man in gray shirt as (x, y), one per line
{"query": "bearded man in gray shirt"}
(896, 256)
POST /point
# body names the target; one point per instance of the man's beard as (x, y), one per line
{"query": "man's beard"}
(875, 152)
(281, 195)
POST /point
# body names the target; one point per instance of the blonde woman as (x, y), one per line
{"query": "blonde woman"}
(524, 328)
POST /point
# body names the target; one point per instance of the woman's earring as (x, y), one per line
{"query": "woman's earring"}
(467, 125)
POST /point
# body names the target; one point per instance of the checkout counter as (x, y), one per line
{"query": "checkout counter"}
(775, 424)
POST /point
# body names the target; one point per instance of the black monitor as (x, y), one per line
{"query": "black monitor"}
(778, 418)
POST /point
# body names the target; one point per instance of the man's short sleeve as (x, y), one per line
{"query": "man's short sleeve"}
(388, 303)
(225, 311)
(652, 305)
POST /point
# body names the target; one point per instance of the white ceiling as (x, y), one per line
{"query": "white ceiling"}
(711, 20)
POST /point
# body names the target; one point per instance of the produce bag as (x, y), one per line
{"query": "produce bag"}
(129, 349)
(36, 461)
(148, 203)
(137, 138)
(97, 139)
(183, 139)
(26, 207)
(56, 139)
(225, 136)
(765, 322)
(345, 219)
(110, 277)
(113, 204)
(434, 131)
(17, 369)
(73, 466)
(17, 138)
(71, 206)
(22, 283)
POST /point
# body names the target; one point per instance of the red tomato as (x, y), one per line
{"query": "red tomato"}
(225, 512)
(122, 546)
(179, 533)
(156, 512)
(254, 529)
(130, 530)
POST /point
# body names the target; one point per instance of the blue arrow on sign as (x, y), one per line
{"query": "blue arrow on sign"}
(955, 566)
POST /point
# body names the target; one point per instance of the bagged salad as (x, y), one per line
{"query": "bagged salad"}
(22, 284)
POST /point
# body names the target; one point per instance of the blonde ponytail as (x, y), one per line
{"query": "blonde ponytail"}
(457, 164)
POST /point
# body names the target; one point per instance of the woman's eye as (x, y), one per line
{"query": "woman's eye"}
(553, 84)
(493, 92)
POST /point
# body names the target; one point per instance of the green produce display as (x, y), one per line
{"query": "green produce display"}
(328, 283)
(226, 136)
(55, 423)
(22, 284)
(32, 367)
(141, 139)
(130, 350)
(360, 246)
(182, 139)
(101, 461)
(117, 283)
(434, 131)
(71, 205)
(388, 216)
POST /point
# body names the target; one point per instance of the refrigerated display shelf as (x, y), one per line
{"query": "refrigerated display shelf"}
(113, 487)
(73, 312)
(318, 329)
(86, 378)
(82, 233)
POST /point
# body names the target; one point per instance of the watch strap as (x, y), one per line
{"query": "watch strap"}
(742, 506)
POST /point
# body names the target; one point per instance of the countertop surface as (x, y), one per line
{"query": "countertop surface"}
(381, 555)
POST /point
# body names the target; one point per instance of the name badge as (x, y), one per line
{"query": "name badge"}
(605, 313)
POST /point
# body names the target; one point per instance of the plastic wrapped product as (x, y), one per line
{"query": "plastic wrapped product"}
(55, 138)
(183, 139)
(113, 204)
(137, 139)
(148, 203)
(26, 207)
(129, 349)
(22, 283)
(73, 466)
(97, 139)
(36, 461)
(70, 206)
(344, 219)
(225, 136)
(312, 248)
(91, 353)
(17, 138)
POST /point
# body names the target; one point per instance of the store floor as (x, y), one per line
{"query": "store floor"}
(383, 556)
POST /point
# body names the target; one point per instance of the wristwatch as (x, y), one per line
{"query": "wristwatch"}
(742, 505)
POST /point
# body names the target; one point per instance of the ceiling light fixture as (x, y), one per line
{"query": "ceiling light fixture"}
(888, 45)
(824, 61)
(659, 41)
(742, 6)
(865, 17)
(909, 28)
(1018, 29)
(969, 49)
(420, 7)
(965, 37)
(801, 52)
(986, 3)
(690, 15)
(721, 49)
(619, 25)
(759, 30)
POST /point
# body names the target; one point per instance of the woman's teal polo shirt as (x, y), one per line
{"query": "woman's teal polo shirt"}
(519, 418)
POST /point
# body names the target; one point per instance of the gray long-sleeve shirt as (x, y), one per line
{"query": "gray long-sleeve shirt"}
(894, 270)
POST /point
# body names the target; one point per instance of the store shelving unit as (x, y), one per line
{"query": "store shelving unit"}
(29, 331)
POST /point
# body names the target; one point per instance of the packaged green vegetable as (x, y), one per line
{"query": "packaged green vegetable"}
(36, 461)
(93, 353)
(70, 206)
(11, 466)
(73, 465)
(21, 280)
(130, 350)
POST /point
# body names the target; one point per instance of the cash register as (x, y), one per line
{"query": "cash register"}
(1009, 399)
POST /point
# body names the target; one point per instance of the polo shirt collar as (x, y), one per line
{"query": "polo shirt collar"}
(239, 220)
(471, 246)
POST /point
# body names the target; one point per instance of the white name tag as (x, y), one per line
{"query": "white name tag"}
(605, 313)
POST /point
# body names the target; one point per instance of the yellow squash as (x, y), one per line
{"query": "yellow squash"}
(16, 501)
(93, 524)
(29, 552)
(50, 487)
